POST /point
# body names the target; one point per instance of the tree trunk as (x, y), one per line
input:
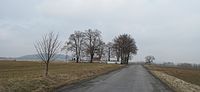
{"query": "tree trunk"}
(118, 57)
(91, 58)
(128, 58)
(77, 59)
(46, 69)
(79, 53)
(109, 55)
(122, 60)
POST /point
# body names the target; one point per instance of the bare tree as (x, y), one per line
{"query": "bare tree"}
(100, 49)
(75, 44)
(116, 49)
(92, 42)
(109, 46)
(124, 45)
(149, 59)
(47, 48)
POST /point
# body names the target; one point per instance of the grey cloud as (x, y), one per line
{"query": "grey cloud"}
(167, 29)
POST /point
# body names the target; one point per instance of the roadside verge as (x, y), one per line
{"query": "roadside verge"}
(174, 83)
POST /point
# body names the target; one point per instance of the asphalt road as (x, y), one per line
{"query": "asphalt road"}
(134, 78)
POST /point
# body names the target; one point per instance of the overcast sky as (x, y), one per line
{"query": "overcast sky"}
(166, 29)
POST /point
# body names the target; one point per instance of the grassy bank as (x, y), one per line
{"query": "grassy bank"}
(28, 76)
(188, 75)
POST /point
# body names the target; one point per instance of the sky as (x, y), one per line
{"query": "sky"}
(166, 29)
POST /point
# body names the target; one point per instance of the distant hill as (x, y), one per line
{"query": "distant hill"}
(3, 58)
(6, 58)
(34, 57)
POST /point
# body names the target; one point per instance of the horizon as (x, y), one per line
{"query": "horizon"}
(171, 34)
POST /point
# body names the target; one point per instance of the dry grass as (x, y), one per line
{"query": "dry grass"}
(28, 76)
(188, 75)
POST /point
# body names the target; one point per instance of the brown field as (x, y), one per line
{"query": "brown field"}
(28, 76)
(188, 75)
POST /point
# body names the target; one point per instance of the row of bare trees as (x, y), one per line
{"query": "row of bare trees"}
(87, 43)
(181, 65)
(91, 43)
(124, 45)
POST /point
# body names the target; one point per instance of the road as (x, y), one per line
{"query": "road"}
(134, 78)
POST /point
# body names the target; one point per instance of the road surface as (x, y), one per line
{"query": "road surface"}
(134, 78)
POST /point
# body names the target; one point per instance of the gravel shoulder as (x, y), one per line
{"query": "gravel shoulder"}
(177, 84)
(173, 82)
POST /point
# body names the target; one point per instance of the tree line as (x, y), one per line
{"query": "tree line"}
(181, 65)
(88, 43)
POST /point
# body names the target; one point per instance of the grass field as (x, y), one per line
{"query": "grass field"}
(28, 76)
(188, 75)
